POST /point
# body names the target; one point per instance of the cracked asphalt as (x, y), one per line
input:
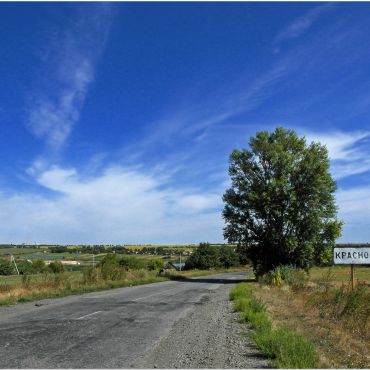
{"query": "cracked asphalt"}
(173, 324)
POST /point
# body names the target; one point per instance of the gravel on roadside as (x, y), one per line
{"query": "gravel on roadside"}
(210, 336)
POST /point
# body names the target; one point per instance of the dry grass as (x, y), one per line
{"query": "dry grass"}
(342, 340)
(57, 285)
(337, 275)
(16, 288)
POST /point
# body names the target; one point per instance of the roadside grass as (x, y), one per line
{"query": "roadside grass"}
(35, 287)
(327, 312)
(26, 288)
(337, 275)
(285, 347)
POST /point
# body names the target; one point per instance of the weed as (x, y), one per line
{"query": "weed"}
(90, 275)
(287, 348)
(5, 288)
(26, 280)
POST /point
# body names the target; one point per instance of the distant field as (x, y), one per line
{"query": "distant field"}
(18, 251)
(339, 274)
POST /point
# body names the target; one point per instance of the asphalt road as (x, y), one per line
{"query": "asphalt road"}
(110, 329)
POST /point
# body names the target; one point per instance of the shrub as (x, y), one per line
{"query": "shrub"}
(26, 268)
(5, 267)
(111, 272)
(155, 264)
(207, 256)
(59, 279)
(109, 259)
(132, 263)
(39, 266)
(296, 278)
(56, 267)
(90, 275)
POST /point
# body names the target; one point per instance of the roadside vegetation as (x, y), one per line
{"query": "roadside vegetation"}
(318, 306)
(38, 280)
(285, 347)
(207, 256)
(52, 281)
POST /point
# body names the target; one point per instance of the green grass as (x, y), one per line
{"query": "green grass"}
(339, 273)
(285, 347)
(17, 251)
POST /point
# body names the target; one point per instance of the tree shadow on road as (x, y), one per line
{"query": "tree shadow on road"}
(211, 280)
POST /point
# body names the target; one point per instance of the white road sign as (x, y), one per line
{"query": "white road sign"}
(351, 256)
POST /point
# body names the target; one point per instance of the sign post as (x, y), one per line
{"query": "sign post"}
(352, 256)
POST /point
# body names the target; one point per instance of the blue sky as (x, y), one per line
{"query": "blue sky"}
(117, 119)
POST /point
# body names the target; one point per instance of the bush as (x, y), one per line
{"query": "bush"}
(207, 256)
(56, 267)
(155, 264)
(112, 272)
(59, 279)
(39, 266)
(5, 267)
(26, 268)
(296, 278)
(90, 275)
(132, 263)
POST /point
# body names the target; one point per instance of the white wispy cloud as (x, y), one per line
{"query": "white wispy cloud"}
(354, 205)
(120, 205)
(69, 71)
(348, 154)
(302, 23)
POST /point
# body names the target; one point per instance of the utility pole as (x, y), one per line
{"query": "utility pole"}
(13, 260)
(180, 261)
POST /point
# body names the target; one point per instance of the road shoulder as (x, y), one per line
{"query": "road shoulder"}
(210, 336)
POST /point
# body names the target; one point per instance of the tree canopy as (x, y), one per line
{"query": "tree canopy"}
(207, 256)
(280, 208)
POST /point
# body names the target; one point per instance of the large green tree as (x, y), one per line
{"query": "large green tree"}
(280, 208)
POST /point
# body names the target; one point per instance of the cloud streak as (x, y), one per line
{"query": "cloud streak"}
(348, 151)
(302, 23)
(69, 71)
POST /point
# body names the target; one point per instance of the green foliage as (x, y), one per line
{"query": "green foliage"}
(110, 268)
(110, 259)
(344, 304)
(60, 279)
(25, 267)
(39, 266)
(228, 257)
(90, 275)
(155, 264)
(26, 280)
(132, 263)
(5, 267)
(296, 278)
(286, 348)
(281, 206)
(56, 267)
(207, 256)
